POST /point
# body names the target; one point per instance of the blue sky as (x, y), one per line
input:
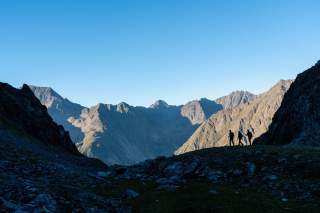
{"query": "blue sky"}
(138, 51)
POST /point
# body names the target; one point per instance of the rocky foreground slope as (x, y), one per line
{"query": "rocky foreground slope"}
(123, 134)
(297, 122)
(257, 114)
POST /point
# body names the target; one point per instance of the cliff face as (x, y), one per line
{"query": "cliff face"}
(21, 112)
(256, 114)
(297, 122)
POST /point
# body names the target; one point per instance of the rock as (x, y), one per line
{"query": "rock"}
(165, 181)
(103, 174)
(191, 168)
(44, 203)
(95, 176)
(270, 178)
(174, 169)
(237, 172)
(130, 194)
(215, 175)
(213, 191)
(120, 170)
(282, 160)
(296, 157)
(251, 168)
(168, 187)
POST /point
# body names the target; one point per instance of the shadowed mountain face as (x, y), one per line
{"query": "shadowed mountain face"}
(22, 114)
(256, 114)
(297, 122)
(123, 134)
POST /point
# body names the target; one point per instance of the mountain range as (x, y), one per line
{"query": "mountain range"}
(124, 134)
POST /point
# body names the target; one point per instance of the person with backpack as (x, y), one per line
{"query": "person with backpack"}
(250, 135)
(231, 138)
(240, 136)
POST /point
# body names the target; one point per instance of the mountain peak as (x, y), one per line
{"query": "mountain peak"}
(235, 98)
(46, 95)
(123, 107)
(159, 104)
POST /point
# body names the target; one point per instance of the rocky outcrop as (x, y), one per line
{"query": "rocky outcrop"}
(297, 122)
(22, 113)
(256, 114)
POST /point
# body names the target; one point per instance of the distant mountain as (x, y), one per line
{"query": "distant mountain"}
(199, 110)
(23, 116)
(159, 104)
(123, 134)
(257, 113)
(235, 98)
(297, 122)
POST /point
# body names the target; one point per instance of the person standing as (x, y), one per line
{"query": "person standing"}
(250, 135)
(231, 138)
(240, 136)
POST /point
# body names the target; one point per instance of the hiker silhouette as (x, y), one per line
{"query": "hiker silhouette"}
(249, 134)
(231, 138)
(240, 136)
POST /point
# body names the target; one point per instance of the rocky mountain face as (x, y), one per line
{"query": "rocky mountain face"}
(297, 122)
(235, 99)
(257, 114)
(22, 112)
(199, 110)
(123, 134)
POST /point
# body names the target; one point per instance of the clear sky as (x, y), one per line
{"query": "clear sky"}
(138, 51)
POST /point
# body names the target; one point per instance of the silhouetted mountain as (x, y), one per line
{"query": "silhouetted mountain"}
(297, 122)
(21, 113)
(258, 114)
